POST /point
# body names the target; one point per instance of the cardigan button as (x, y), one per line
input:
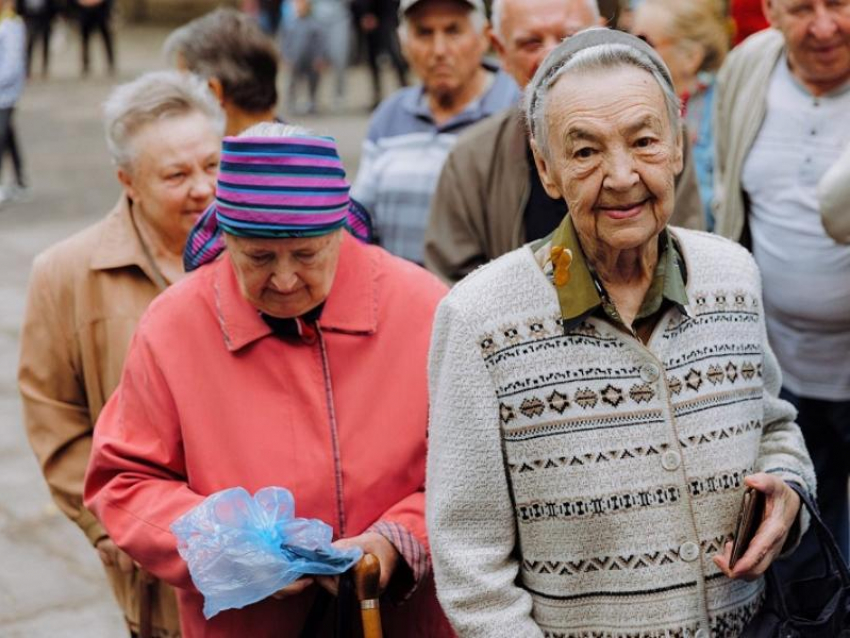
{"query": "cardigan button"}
(650, 373)
(671, 460)
(689, 552)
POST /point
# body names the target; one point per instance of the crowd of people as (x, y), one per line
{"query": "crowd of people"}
(580, 295)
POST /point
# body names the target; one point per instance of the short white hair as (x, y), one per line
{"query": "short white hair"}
(476, 17)
(594, 59)
(152, 97)
(497, 9)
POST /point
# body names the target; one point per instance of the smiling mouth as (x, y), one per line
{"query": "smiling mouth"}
(622, 211)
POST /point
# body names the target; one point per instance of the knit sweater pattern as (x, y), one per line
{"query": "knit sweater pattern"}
(579, 482)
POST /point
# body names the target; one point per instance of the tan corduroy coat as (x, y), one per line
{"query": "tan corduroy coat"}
(86, 296)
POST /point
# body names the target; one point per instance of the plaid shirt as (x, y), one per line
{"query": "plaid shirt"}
(403, 155)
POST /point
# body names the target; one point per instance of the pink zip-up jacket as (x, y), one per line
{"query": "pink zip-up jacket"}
(211, 399)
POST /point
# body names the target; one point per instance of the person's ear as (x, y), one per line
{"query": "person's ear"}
(545, 172)
(679, 156)
(495, 42)
(217, 89)
(126, 180)
(770, 10)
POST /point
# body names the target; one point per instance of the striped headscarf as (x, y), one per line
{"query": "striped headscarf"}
(271, 187)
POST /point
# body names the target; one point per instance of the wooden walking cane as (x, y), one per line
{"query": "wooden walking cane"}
(145, 585)
(367, 576)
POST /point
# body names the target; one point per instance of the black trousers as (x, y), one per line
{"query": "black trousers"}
(384, 38)
(9, 144)
(96, 18)
(39, 27)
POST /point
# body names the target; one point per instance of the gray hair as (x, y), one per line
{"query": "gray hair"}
(228, 45)
(476, 17)
(275, 129)
(153, 97)
(594, 58)
(497, 9)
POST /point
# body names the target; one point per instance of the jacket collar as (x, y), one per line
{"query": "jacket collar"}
(502, 90)
(583, 293)
(119, 244)
(351, 306)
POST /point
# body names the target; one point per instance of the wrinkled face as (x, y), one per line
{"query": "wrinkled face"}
(530, 29)
(443, 46)
(817, 36)
(172, 179)
(613, 157)
(285, 278)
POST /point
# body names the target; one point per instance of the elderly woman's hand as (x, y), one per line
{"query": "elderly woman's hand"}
(294, 589)
(370, 543)
(780, 511)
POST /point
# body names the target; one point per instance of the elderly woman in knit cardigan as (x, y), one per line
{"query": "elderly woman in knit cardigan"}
(600, 398)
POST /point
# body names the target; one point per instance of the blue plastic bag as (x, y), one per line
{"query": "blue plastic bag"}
(242, 549)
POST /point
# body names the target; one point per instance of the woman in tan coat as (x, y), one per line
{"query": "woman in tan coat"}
(88, 292)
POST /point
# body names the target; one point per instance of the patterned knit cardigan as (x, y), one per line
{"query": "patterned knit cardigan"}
(579, 484)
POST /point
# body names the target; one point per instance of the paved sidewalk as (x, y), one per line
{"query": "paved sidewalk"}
(51, 583)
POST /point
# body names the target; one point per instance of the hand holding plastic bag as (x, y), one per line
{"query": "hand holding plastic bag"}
(242, 549)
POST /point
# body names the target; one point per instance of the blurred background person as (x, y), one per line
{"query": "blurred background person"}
(378, 22)
(334, 20)
(781, 121)
(692, 38)
(413, 130)
(489, 198)
(269, 16)
(38, 16)
(94, 16)
(87, 293)
(12, 81)
(303, 50)
(229, 50)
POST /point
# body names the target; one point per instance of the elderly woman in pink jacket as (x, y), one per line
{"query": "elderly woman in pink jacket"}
(295, 359)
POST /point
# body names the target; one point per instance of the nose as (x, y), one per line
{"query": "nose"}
(621, 174)
(284, 279)
(441, 44)
(203, 186)
(823, 24)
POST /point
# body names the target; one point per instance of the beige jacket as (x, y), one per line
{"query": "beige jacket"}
(740, 104)
(86, 296)
(477, 209)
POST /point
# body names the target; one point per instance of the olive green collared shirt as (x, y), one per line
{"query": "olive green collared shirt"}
(584, 294)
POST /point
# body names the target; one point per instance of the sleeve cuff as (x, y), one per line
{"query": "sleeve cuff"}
(91, 527)
(801, 524)
(411, 551)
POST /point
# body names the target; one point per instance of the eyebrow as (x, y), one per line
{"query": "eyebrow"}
(648, 121)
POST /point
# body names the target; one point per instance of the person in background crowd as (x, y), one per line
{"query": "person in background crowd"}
(236, 58)
(600, 398)
(87, 293)
(378, 20)
(12, 81)
(489, 198)
(303, 49)
(412, 131)
(269, 16)
(95, 15)
(749, 18)
(781, 105)
(692, 39)
(333, 18)
(38, 16)
(269, 367)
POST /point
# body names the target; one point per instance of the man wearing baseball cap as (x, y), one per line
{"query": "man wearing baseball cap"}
(412, 131)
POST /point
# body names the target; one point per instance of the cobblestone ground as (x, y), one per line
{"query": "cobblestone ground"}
(51, 583)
